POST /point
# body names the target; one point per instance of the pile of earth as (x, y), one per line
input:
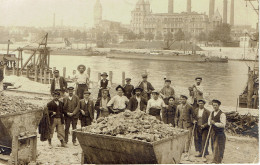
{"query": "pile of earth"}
(133, 125)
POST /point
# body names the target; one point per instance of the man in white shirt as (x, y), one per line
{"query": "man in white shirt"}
(82, 81)
(155, 105)
(119, 102)
(201, 116)
(217, 120)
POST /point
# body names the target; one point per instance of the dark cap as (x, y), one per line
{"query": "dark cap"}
(198, 78)
(70, 88)
(56, 71)
(185, 97)
(144, 75)
(168, 81)
(216, 101)
(120, 87)
(128, 79)
(87, 92)
(171, 97)
(104, 74)
(202, 100)
(56, 93)
(137, 88)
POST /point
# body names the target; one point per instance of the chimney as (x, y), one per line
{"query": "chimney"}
(232, 12)
(211, 8)
(188, 6)
(225, 11)
(170, 6)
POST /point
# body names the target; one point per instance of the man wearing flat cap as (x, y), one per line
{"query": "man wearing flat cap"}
(201, 116)
(86, 109)
(167, 91)
(137, 102)
(104, 83)
(184, 119)
(128, 88)
(217, 120)
(58, 83)
(146, 86)
(119, 102)
(196, 91)
(82, 81)
(71, 105)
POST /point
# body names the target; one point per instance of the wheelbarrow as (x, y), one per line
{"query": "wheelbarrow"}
(18, 134)
(104, 149)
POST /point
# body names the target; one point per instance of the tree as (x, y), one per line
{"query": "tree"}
(221, 33)
(140, 36)
(149, 36)
(158, 35)
(131, 35)
(168, 36)
(107, 37)
(179, 35)
(202, 37)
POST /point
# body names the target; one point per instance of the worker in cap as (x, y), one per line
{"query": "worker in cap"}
(58, 83)
(56, 115)
(146, 86)
(168, 113)
(101, 104)
(128, 87)
(167, 91)
(201, 115)
(71, 113)
(184, 119)
(137, 102)
(217, 120)
(155, 105)
(104, 83)
(86, 109)
(119, 102)
(82, 81)
(196, 91)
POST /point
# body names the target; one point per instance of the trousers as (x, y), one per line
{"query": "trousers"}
(85, 121)
(200, 137)
(80, 90)
(218, 142)
(70, 121)
(59, 127)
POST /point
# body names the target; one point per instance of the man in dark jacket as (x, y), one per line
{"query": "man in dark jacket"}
(128, 88)
(55, 108)
(86, 108)
(146, 86)
(137, 102)
(101, 104)
(201, 116)
(168, 113)
(1, 77)
(58, 83)
(71, 105)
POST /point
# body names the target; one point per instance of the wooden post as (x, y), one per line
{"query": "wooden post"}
(99, 76)
(110, 76)
(250, 89)
(49, 77)
(123, 78)
(18, 63)
(64, 72)
(27, 72)
(35, 74)
(54, 68)
(45, 76)
(88, 71)
(13, 70)
(40, 75)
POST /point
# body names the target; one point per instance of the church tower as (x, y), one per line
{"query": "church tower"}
(97, 13)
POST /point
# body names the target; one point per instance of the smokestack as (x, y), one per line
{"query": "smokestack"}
(232, 12)
(53, 20)
(188, 6)
(170, 6)
(225, 11)
(211, 8)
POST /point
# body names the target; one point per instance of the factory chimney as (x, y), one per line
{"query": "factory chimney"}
(188, 6)
(225, 3)
(211, 8)
(232, 12)
(170, 6)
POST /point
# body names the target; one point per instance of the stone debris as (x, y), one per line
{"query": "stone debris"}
(133, 125)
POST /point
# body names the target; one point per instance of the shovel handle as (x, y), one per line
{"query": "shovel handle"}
(206, 143)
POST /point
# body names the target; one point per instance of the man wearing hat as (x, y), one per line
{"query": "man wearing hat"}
(128, 88)
(184, 118)
(71, 105)
(217, 119)
(58, 83)
(86, 108)
(196, 92)
(168, 113)
(55, 108)
(155, 105)
(119, 102)
(104, 83)
(137, 102)
(82, 81)
(146, 86)
(101, 104)
(201, 116)
(167, 91)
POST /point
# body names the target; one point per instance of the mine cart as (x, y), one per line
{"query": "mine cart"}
(104, 149)
(18, 137)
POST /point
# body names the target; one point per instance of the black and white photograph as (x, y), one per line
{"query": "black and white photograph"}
(129, 82)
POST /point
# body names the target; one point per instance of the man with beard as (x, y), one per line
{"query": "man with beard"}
(196, 92)
(82, 81)
(58, 83)
(137, 102)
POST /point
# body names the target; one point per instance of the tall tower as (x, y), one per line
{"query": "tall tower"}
(225, 3)
(211, 8)
(170, 6)
(188, 6)
(97, 13)
(232, 12)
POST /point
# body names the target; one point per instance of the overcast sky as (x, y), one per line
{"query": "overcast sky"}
(80, 12)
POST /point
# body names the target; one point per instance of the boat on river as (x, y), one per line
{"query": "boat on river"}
(76, 52)
(162, 56)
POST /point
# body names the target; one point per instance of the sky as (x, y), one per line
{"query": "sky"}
(39, 13)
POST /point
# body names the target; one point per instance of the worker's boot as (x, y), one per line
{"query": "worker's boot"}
(63, 144)
(198, 155)
(49, 141)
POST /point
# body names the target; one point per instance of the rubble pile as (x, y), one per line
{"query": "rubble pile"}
(14, 104)
(242, 124)
(133, 125)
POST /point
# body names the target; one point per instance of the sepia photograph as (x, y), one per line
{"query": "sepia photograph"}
(129, 82)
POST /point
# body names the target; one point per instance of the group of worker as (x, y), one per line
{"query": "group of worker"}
(194, 117)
